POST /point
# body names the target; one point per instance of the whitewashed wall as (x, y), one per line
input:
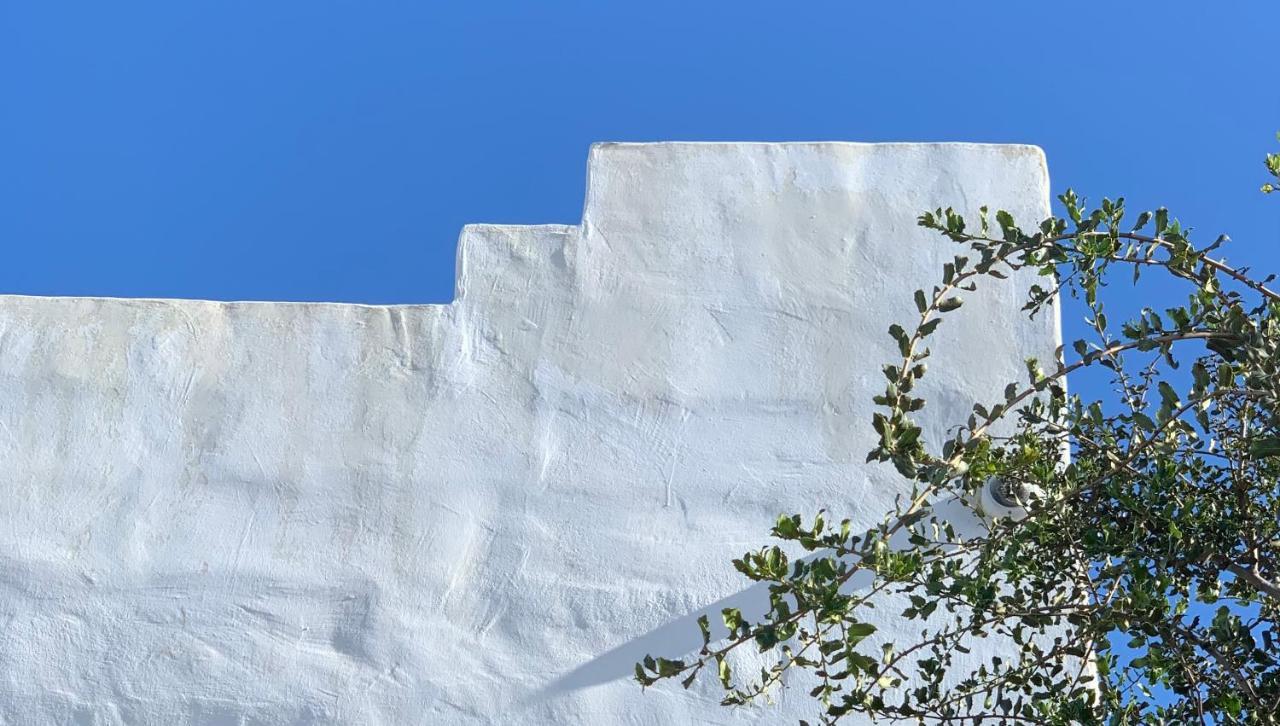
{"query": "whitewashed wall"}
(483, 512)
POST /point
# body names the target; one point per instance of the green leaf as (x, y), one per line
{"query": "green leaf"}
(898, 334)
(667, 668)
(857, 632)
(1265, 447)
(732, 619)
(864, 663)
(1004, 219)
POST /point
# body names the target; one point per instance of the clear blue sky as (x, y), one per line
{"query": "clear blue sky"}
(289, 150)
(292, 150)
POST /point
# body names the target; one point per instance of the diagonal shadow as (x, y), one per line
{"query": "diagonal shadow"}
(682, 636)
(678, 637)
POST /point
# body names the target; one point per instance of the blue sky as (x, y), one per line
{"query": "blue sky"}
(295, 150)
(290, 150)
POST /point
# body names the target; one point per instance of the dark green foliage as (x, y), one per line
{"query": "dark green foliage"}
(1160, 530)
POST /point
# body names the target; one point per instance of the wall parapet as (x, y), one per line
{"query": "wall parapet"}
(486, 511)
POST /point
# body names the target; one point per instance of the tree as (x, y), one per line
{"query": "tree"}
(1137, 578)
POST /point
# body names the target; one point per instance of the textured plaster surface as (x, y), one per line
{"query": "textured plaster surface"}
(482, 512)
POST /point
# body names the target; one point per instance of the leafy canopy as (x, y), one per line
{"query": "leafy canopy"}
(1149, 520)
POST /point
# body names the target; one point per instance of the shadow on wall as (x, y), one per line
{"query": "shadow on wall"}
(677, 638)
(681, 636)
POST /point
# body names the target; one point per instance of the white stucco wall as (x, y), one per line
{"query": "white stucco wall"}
(483, 512)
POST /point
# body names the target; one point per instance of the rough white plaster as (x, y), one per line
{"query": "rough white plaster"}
(483, 512)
